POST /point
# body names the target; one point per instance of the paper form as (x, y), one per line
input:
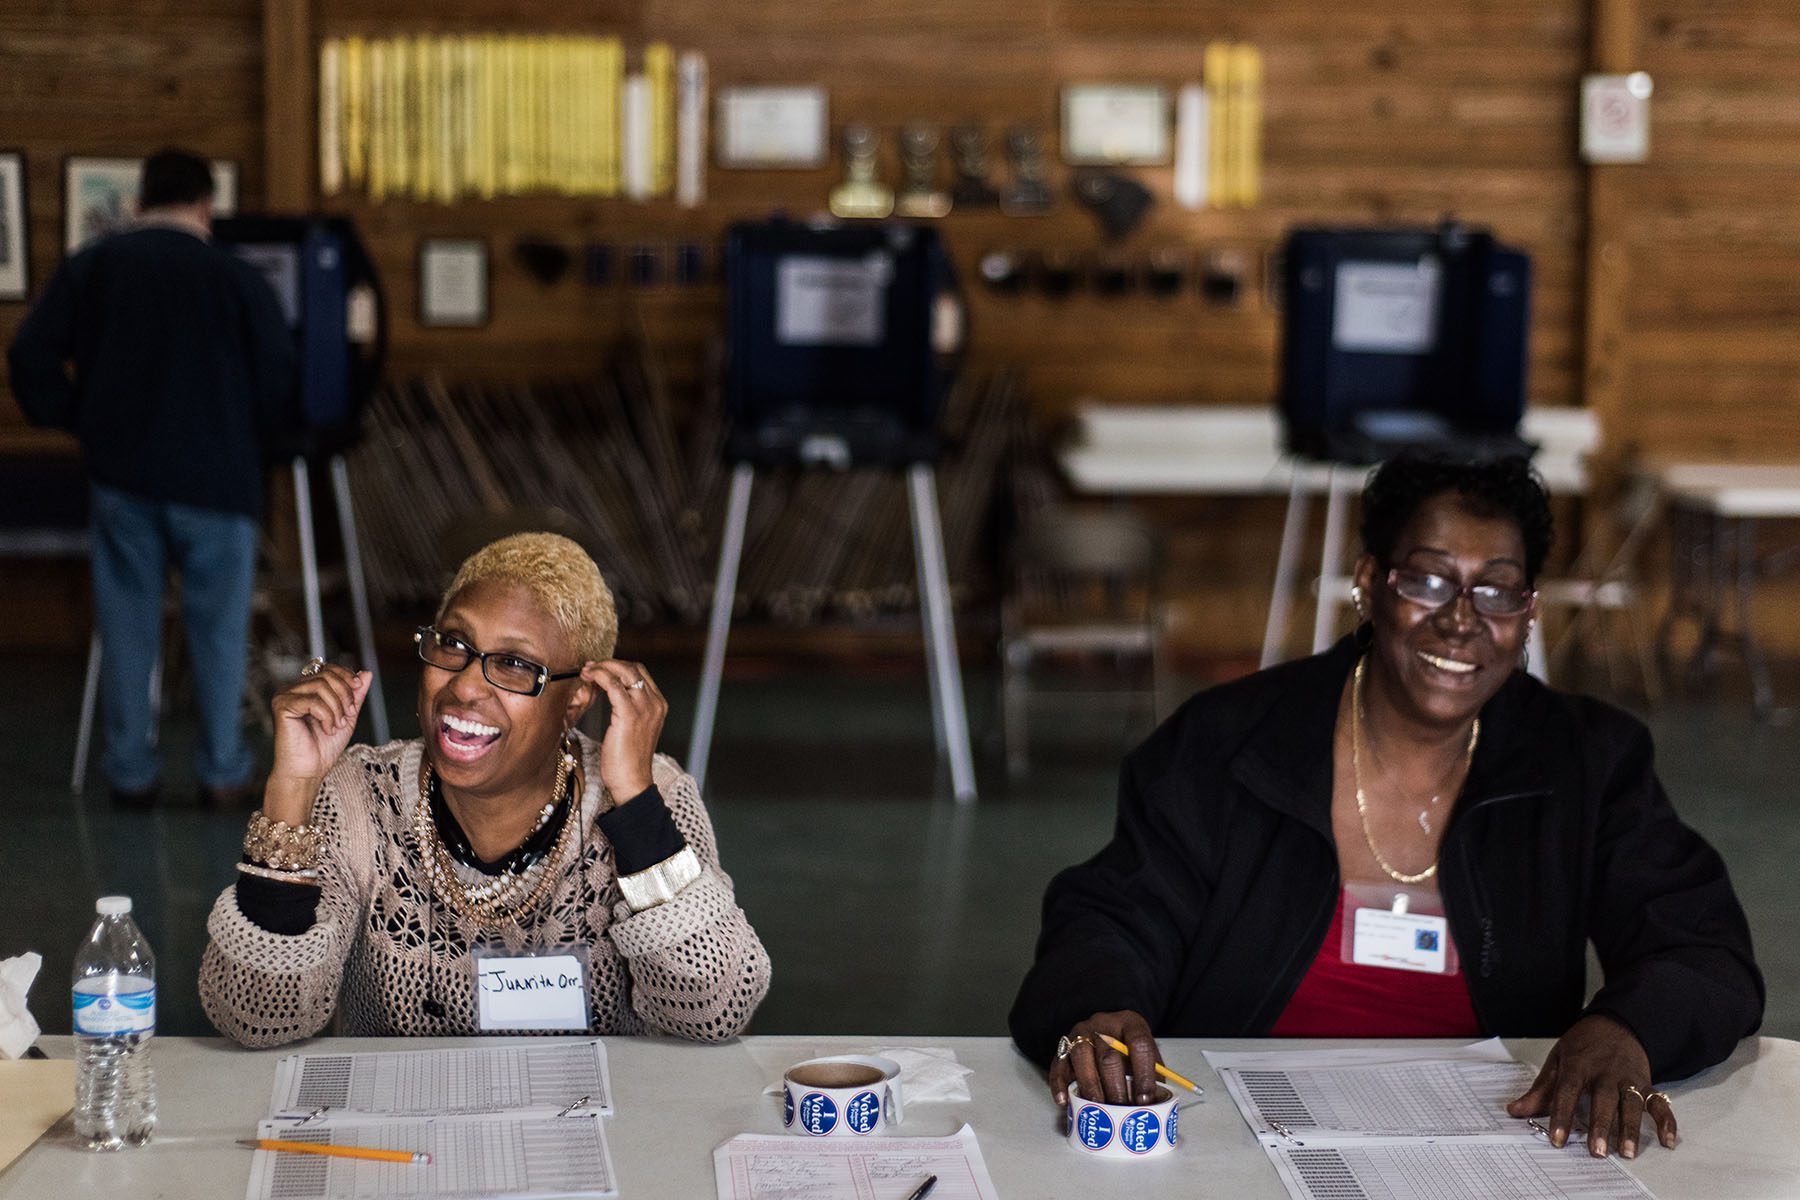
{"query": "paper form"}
(788, 1167)
(471, 1158)
(1416, 1099)
(1409, 1124)
(1518, 1170)
(520, 1080)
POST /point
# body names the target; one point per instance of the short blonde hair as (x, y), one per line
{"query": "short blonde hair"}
(560, 575)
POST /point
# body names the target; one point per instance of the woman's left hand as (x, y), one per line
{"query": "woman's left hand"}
(638, 710)
(1602, 1060)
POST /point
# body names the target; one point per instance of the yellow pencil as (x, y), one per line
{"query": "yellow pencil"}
(1167, 1074)
(396, 1156)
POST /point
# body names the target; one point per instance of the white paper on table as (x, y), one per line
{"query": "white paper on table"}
(882, 1168)
(530, 1158)
(1417, 1169)
(530, 1080)
(1321, 1102)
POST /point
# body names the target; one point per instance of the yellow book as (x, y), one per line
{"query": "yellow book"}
(1247, 75)
(587, 68)
(378, 119)
(659, 67)
(424, 111)
(331, 113)
(562, 128)
(493, 133)
(607, 84)
(356, 112)
(1221, 189)
(450, 128)
(399, 144)
(512, 91)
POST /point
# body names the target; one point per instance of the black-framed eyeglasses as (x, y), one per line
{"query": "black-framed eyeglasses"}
(1434, 591)
(508, 672)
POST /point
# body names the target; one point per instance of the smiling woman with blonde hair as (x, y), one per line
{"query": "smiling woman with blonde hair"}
(394, 885)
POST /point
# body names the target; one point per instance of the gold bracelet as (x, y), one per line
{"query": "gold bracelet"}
(307, 877)
(282, 846)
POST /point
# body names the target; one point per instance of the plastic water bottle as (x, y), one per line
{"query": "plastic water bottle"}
(115, 1018)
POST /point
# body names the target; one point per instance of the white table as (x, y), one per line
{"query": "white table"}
(1713, 511)
(1236, 451)
(676, 1101)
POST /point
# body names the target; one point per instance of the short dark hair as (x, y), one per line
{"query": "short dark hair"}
(1508, 488)
(174, 176)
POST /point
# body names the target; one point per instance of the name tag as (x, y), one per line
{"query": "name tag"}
(531, 992)
(1404, 941)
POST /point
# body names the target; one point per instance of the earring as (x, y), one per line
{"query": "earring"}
(1356, 598)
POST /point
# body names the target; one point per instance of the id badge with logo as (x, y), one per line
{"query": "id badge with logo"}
(517, 993)
(1397, 927)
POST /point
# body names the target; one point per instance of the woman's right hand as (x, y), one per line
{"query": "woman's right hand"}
(1099, 1070)
(315, 717)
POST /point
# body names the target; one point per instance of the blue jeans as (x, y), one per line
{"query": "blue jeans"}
(135, 543)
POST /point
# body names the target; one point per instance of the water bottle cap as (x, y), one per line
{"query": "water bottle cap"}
(113, 906)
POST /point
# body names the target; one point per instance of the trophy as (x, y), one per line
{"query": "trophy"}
(1027, 195)
(918, 159)
(861, 194)
(972, 189)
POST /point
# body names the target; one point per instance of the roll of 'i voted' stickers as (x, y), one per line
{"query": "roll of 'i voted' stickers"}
(1122, 1130)
(847, 1095)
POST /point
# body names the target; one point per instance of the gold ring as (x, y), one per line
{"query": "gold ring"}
(1632, 1088)
(313, 667)
(1066, 1044)
(1663, 1096)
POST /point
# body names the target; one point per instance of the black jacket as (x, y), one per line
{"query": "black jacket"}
(1213, 898)
(184, 368)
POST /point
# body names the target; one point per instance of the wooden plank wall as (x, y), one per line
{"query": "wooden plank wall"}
(1403, 110)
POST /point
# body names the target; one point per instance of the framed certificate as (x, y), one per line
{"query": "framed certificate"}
(772, 127)
(453, 283)
(1108, 124)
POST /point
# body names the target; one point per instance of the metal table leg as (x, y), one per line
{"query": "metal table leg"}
(1287, 562)
(375, 704)
(940, 633)
(718, 629)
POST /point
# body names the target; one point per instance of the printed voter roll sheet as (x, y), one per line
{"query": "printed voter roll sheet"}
(472, 1158)
(522, 1080)
(1447, 1170)
(1333, 1095)
(784, 1167)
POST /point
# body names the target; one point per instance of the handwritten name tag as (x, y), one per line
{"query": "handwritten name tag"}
(534, 991)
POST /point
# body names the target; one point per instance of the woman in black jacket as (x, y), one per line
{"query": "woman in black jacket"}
(1405, 836)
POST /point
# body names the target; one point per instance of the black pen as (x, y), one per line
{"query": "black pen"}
(924, 1189)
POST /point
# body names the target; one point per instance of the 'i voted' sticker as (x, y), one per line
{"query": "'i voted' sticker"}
(1137, 1132)
(1094, 1127)
(1173, 1113)
(862, 1112)
(818, 1115)
(787, 1108)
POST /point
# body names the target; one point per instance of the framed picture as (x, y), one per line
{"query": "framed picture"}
(773, 127)
(100, 196)
(15, 248)
(1106, 124)
(453, 283)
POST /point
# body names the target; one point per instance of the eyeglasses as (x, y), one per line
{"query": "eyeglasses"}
(508, 672)
(1434, 591)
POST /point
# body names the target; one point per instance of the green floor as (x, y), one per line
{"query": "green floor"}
(886, 907)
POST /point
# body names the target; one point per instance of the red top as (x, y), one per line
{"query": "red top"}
(1342, 999)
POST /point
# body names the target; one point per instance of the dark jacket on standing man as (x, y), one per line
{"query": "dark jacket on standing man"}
(184, 368)
(1213, 898)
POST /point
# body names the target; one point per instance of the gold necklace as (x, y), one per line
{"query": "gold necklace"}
(1362, 803)
(490, 905)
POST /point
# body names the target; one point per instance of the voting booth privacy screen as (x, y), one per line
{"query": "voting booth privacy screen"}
(1397, 338)
(829, 343)
(314, 264)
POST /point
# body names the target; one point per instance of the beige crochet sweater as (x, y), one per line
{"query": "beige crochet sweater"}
(382, 948)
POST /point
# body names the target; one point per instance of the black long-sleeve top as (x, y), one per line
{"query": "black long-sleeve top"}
(184, 370)
(1212, 900)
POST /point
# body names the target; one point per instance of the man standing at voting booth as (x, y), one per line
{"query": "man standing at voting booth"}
(170, 361)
